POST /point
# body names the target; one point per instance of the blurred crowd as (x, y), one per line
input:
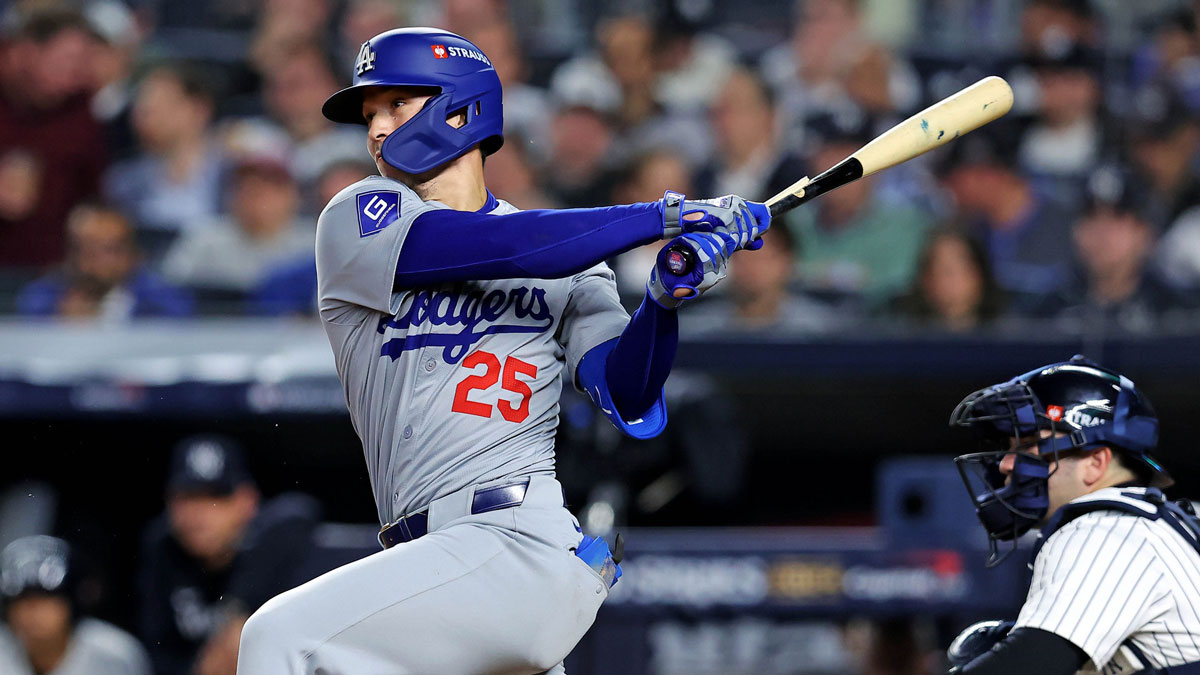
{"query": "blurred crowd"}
(167, 159)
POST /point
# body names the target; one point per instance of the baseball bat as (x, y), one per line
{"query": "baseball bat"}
(933, 127)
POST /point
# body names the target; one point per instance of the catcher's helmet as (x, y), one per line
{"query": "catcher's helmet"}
(1066, 407)
(427, 57)
(39, 564)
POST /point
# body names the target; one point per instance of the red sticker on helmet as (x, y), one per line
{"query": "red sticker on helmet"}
(1054, 412)
(439, 51)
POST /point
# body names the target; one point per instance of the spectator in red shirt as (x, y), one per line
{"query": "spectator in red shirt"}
(48, 138)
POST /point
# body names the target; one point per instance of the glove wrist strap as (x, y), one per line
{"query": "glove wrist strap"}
(672, 204)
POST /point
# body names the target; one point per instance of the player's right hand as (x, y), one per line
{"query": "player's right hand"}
(710, 252)
(976, 640)
(743, 220)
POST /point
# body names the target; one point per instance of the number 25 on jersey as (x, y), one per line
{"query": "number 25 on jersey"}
(491, 374)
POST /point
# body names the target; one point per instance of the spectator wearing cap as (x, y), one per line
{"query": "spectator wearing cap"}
(226, 258)
(1024, 229)
(853, 245)
(216, 555)
(47, 632)
(1114, 287)
(1067, 135)
(174, 182)
(1164, 143)
(103, 276)
(51, 148)
(111, 61)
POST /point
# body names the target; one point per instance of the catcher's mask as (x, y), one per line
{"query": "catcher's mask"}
(1058, 410)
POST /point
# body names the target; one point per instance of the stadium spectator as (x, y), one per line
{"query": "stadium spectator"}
(102, 277)
(174, 182)
(51, 149)
(647, 178)
(1172, 57)
(1113, 240)
(1164, 142)
(954, 289)
(48, 633)
(290, 288)
(225, 258)
(692, 63)
(284, 27)
(759, 299)
(293, 93)
(215, 556)
(830, 66)
(579, 172)
(111, 62)
(750, 160)
(852, 244)
(620, 81)
(511, 175)
(1022, 228)
(1067, 136)
(363, 19)
(527, 108)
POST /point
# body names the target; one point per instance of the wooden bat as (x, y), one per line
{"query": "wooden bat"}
(940, 123)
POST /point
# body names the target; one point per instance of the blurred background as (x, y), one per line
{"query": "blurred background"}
(162, 164)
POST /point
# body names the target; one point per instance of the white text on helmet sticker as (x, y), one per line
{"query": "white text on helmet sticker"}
(465, 53)
(365, 60)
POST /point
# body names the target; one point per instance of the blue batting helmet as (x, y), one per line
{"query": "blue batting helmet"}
(427, 57)
(1066, 407)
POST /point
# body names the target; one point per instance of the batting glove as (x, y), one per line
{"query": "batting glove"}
(743, 220)
(975, 641)
(710, 253)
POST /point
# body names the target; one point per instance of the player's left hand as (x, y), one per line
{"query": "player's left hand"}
(976, 640)
(595, 552)
(743, 220)
(709, 250)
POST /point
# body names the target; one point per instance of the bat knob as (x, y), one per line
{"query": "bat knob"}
(679, 260)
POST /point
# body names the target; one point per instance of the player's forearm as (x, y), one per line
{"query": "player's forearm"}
(1029, 651)
(639, 365)
(445, 246)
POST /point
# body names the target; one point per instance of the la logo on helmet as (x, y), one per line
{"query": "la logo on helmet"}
(439, 51)
(366, 59)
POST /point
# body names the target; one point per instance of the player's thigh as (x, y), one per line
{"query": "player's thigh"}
(521, 611)
(297, 623)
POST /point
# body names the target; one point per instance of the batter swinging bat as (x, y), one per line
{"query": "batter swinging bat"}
(940, 123)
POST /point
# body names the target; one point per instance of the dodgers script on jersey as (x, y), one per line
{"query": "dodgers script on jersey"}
(452, 385)
(1109, 576)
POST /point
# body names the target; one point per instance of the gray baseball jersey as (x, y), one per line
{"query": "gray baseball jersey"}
(453, 385)
(96, 648)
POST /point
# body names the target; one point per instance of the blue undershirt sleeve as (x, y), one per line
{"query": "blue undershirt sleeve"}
(625, 376)
(444, 245)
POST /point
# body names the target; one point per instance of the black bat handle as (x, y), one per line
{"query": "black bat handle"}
(680, 259)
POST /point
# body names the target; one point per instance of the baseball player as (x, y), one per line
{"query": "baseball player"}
(453, 319)
(46, 632)
(1116, 569)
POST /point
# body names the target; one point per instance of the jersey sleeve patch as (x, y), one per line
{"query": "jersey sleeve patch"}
(377, 210)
